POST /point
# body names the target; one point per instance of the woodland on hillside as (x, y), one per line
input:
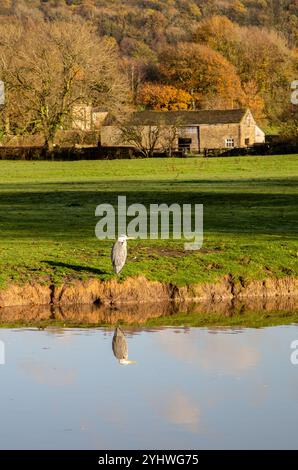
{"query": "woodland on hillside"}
(156, 54)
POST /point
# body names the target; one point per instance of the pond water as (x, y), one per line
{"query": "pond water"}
(191, 388)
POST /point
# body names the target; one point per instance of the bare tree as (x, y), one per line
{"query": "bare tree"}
(148, 138)
(48, 68)
(169, 138)
(144, 138)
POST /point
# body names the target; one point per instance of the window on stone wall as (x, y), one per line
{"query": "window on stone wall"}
(229, 142)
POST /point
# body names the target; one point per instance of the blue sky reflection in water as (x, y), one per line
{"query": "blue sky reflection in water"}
(191, 388)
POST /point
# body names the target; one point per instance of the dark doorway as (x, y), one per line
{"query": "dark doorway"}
(184, 144)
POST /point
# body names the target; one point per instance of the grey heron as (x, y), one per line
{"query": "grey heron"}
(119, 253)
(119, 346)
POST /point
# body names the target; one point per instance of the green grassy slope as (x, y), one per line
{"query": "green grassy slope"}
(47, 218)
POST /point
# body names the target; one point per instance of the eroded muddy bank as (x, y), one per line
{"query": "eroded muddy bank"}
(140, 313)
(139, 291)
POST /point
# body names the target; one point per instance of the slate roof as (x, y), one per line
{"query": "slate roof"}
(187, 118)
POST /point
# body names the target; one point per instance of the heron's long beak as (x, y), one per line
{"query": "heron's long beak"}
(126, 362)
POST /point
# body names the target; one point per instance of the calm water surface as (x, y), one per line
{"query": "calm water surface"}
(191, 388)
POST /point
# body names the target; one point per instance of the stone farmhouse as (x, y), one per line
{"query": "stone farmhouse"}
(87, 117)
(190, 131)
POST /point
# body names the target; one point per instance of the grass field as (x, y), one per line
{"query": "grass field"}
(47, 218)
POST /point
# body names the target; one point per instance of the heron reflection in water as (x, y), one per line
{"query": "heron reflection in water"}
(119, 346)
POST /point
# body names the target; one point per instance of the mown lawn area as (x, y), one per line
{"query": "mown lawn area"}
(47, 218)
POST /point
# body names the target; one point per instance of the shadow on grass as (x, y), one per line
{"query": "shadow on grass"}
(74, 267)
(69, 215)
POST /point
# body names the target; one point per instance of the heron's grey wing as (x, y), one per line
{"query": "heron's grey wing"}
(118, 256)
(119, 345)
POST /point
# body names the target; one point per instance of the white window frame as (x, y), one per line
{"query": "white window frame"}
(229, 143)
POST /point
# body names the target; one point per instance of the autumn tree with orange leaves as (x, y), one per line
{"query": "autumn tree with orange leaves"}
(164, 97)
(203, 73)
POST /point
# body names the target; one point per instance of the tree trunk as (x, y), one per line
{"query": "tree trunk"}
(49, 146)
